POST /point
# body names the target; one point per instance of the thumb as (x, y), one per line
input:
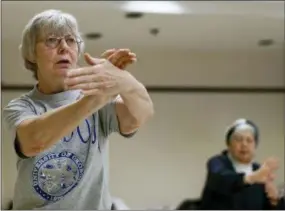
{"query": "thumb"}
(92, 61)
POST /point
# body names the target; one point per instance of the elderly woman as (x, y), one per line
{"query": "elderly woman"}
(234, 180)
(62, 125)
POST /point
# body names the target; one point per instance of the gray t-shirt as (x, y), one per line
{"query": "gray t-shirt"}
(72, 174)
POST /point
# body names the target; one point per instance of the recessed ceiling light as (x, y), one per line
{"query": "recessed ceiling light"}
(134, 15)
(165, 7)
(93, 35)
(265, 42)
(154, 31)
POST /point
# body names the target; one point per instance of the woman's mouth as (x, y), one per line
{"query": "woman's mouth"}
(64, 63)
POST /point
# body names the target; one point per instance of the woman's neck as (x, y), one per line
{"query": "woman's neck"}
(47, 89)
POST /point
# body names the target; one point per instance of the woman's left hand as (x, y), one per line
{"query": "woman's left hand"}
(120, 58)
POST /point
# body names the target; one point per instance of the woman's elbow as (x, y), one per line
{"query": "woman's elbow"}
(31, 146)
(31, 152)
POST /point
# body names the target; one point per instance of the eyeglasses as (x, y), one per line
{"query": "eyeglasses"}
(53, 42)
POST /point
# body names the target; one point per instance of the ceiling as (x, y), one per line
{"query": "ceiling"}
(203, 25)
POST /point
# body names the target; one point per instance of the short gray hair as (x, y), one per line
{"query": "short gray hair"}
(50, 21)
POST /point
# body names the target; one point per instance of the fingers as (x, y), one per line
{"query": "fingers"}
(123, 61)
(82, 71)
(91, 60)
(118, 55)
(93, 86)
(108, 53)
(124, 65)
(88, 59)
(126, 60)
(271, 177)
(91, 92)
(123, 58)
(266, 172)
(88, 79)
(272, 163)
(120, 58)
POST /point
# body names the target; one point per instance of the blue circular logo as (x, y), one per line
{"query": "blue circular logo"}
(54, 175)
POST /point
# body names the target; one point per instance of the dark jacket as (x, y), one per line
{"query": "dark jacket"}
(225, 188)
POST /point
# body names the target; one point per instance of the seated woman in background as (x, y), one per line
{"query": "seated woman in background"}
(234, 180)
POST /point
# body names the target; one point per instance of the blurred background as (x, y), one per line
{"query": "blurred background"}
(180, 45)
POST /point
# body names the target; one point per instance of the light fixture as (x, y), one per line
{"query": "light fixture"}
(164, 7)
(93, 35)
(133, 15)
(265, 42)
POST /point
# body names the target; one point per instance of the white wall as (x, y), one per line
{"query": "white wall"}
(165, 161)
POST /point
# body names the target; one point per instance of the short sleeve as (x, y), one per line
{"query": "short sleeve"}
(109, 120)
(17, 111)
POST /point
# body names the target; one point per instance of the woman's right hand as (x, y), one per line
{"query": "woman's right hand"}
(265, 173)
